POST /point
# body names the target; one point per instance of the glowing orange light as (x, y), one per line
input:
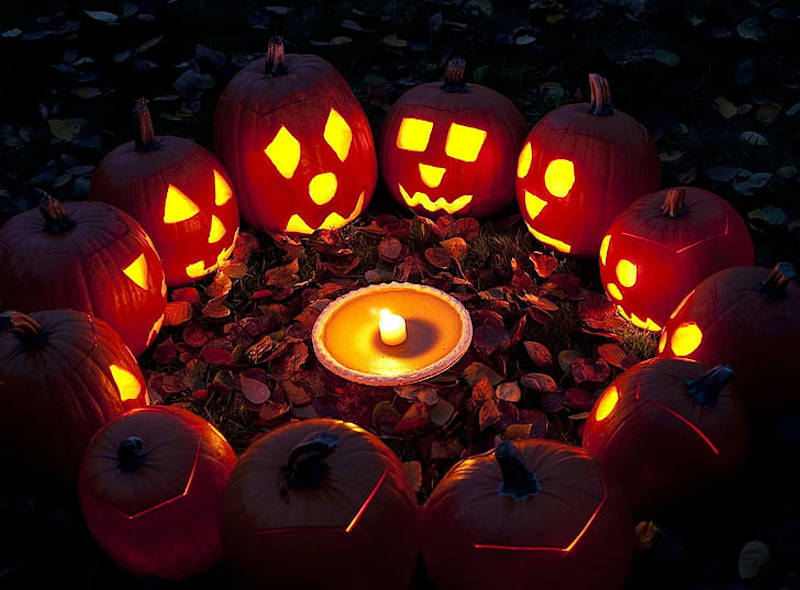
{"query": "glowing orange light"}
(681, 304)
(686, 339)
(338, 134)
(154, 330)
(662, 341)
(217, 230)
(626, 273)
(127, 384)
(198, 269)
(222, 190)
(614, 291)
(533, 204)
(177, 206)
(606, 403)
(322, 187)
(545, 239)
(422, 199)
(431, 175)
(298, 225)
(464, 143)
(137, 271)
(414, 134)
(559, 177)
(697, 431)
(604, 249)
(525, 159)
(284, 152)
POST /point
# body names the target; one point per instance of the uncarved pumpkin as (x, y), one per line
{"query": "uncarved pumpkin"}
(320, 504)
(63, 375)
(530, 514)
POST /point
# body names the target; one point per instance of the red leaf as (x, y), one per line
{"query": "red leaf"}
(216, 308)
(477, 371)
(488, 414)
(464, 227)
(220, 286)
(490, 338)
(177, 313)
(579, 399)
(283, 277)
(187, 294)
(438, 257)
(214, 355)
(416, 417)
(194, 335)
(540, 382)
(594, 370)
(520, 280)
(482, 391)
(543, 264)
(538, 353)
(165, 352)
(288, 361)
(509, 391)
(391, 249)
(254, 391)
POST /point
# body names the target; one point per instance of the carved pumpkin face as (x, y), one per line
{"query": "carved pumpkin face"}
(451, 148)
(297, 143)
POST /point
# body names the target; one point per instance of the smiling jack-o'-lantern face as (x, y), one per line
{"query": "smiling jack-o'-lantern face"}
(451, 148)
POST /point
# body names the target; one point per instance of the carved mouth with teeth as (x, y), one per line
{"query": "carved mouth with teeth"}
(334, 220)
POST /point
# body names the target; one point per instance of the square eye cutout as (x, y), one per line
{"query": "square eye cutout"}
(414, 134)
(464, 143)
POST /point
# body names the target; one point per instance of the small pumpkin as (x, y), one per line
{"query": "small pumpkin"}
(63, 375)
(580, 166)
(747, 317)
(86, 256)
(529, 514)
(320, 503)
(666, 427)
(660, 247)
(452, 147)
(296, 142)
(151, 485)
(178, 191)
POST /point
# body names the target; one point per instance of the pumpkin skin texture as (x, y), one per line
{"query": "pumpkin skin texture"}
(666, 427)
(353, 527)
(547, 517)
(63, 375)
(580, 166)
(154, 505)
(86, 256)
(296, 142)
(663, 245)
(473, 173)
(178, 191)
(747, 317)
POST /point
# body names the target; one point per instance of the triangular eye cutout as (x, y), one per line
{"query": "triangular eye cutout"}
(222, 190)
(217, 230)
(338, 134)
(137, 271)
(127, 384)
(177, 206)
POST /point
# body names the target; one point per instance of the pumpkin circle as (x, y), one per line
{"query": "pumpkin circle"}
(320, 503)
(451, 147)
(151, 486)
(63, 375)
(178, 191)
(667, 426)
(534, 514)
(86, 256)
(296, 142)
(580, 166)
(660, 247)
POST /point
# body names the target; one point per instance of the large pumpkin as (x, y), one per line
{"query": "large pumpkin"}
(581, 165)
(660, 247)
(320, 504)
(178, 191)
(296, 143)
(86, 256)
(452, 147)
(747, 317)
(532, 514)
(63, 375)
(151, 486)
(666, 427)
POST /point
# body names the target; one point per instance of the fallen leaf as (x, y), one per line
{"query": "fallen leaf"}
(540, 382)
(646, 533)
(442, 412)
(254, 391)
(509, 391)
(488, 414)
(586, 369)
(544, 264)
(538, 353)
(177, 313)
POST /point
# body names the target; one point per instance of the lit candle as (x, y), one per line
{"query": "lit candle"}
(392, 328)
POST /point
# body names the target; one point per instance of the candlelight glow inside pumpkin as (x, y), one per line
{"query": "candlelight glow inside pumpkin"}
(127, 383)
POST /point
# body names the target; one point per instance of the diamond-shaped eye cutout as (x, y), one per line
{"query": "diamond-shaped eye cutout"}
(284, 152)
(338, 134)
(463, 142)
(414, 134)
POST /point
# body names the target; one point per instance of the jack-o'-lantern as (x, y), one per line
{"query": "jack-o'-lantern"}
(86, 256)
(296, 142)
(660, 247)
(178, 191)
(747, 317)
(580, 166)
(452, 147)
(665, 427)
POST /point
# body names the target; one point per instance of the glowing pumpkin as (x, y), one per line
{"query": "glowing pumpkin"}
(86, 256)
(580, 166)
(534, 514)
(178, 191)
(747, 317)
(660, 247)
(63, 375)
(296, 142)
(451, 147)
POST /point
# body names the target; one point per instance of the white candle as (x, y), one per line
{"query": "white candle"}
(392, 328)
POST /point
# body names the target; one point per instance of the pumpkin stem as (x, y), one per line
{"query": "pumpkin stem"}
(23, 326)
(129, 455)
(706, 388)
(517, 480)
(674, 202)
(275, 65)
(454, 75)
(305, 470)
(600, 96)
(774, 286)
(144, 136)
(56, 220)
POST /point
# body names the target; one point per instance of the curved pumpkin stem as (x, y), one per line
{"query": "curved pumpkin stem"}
(144, 136)
(706, 388)
(23, 326)
(674, 202)
(600, 96)
(129, 455)
(275, 65)
(305, 470)
(56, 220)
(454, 75)
(774, 286)
(518, 482)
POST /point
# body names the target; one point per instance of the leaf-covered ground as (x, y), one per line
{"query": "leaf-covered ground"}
(718, 85)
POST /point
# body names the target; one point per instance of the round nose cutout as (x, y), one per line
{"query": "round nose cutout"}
(431, 175)
(322, 187)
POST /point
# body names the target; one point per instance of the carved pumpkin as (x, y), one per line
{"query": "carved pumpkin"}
(178, 191)
(320, 504)
(296, 142)
(580, 166)
(63, 375)
(151, 486)
(667, 426)
(452, 147)
(660, 247)
(86, 256)
(532, 514)
(747, 317)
